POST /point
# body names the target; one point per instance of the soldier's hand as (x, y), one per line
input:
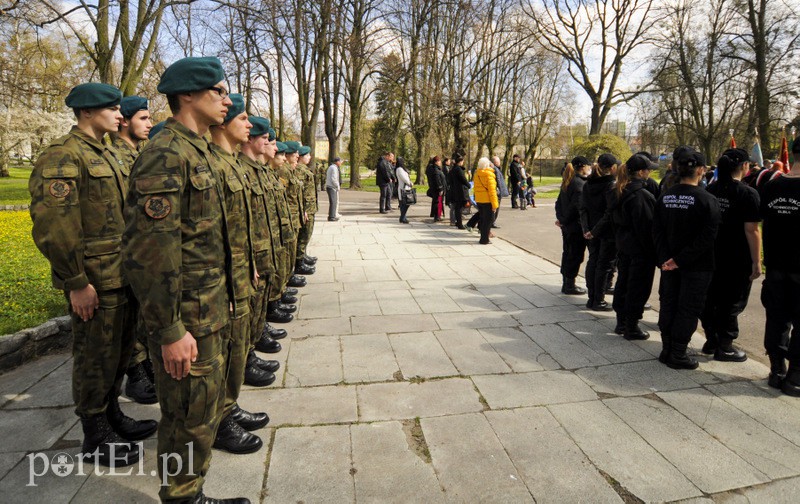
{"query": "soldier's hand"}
(178, 356)
(756, 272)
(84, 302)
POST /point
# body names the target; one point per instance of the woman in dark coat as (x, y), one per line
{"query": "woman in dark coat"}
(568, 219)
(435, 190)
(458, 189)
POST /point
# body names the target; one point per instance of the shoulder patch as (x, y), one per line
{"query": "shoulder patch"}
(59, 188)
(157, 207)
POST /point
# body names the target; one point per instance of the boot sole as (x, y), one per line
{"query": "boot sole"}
(729, 359)
(790, 390)
(682, 366)
(240, 451)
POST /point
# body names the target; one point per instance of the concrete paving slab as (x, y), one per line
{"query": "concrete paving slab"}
(382, 445)
(562, 346)
(304, 406)
(777, 492)
(761, 447)
(368, 358)
(346, 274)
(434, 301)
(311, 464)
(538, 296)
(393, 324)
(239, 475)
(21, 379)
(141, 486)
(709, 464)
(503, 296)
(374, 286)
(532, 389)
(397, 401)
(357, 303)
(470, 299)
(543, 453)
(470, 353)
(34, 429)
(314, 361)
(489, 476)
(397, 302)
(8, 461)
(317, 327)
(318, 305)
(475, 320)
(634, 378)
(421, 355)
(53, 390)
(551, 315)
(381, 271)
(518, 350)
(624, 456)
(604, 341)
(19, 487)
(322, 274)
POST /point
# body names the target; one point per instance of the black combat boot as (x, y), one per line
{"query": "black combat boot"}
(620, 328)
(249, 421)
(202, 499)
(297, 281)
(103, 446)
(285, 308)
(571, 289)
(277, 316)
(678, 359)
(310, 260)
(666, 347)
(777, 371)
(302, 268)
(274, 333)
(711, 344)
(726, 352)
(232, 438)
(288, 299)
(125, 426)
(601, 306)
(255, 376)
(291, 291)
(267, 365)
(791, 384)
(633, 331)
(267, 345)
(139, 387)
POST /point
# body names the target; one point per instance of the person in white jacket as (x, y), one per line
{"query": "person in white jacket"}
(404, 182)
(332, 186)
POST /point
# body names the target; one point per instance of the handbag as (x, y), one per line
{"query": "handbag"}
(409, 196)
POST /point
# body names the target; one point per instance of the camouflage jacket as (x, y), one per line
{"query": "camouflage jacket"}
(77, 189)
(177, 253)
(125, 152)
(279, 198)
(238, 213)
(294, 193)
(309, 189)
(266, 227)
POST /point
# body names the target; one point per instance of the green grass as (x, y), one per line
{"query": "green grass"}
(14, 189)
(27, 298)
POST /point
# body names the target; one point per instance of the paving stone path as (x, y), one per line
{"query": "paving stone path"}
(424, 367)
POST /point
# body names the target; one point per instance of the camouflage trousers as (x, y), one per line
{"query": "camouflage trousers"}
(258, 305)
(238, 348)
(304, 236)
(140, 353)
(191, 410)
(285, 267)
(101, 350)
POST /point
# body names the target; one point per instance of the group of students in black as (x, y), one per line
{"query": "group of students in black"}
(706, 238)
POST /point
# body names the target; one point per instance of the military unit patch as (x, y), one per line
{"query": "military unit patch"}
(157, 207)
(59, 188)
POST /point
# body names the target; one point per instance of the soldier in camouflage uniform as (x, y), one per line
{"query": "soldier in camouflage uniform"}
(266, 237)
(292, 179)
(128, 142)
(77, 188)
(177, 257)
(311, 206)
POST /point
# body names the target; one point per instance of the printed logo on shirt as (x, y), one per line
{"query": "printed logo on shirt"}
(724, 204)
(784, 206)
(678, 201)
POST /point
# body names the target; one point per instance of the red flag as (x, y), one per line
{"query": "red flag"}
(784, 157)
(733, 142)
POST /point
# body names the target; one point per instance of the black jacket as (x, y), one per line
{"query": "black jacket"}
(597, 195)
(383, 172)
(441, 180)
(458, 186)
(430, 175)
(632, 216)
(514, 173)
(568, 204)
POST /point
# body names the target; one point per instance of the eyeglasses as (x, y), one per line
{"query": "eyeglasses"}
(222, 92)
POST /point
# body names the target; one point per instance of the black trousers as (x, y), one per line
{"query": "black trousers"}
(486, 216)
(386, 197)
(682, 296)
(515, 193)
(457, 207)
(601, 256)
(727, 298)
(780, 295)
(634, 284)
(435, 206)
(574, 246)
(497, 212)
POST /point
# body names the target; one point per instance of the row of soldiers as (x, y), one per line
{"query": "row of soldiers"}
(177, 253)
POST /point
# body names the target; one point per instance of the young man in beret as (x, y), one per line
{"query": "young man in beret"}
(177, 256)
(311, 206)
(77, 190)
(134, 129)
(266, 232)
(290, 176)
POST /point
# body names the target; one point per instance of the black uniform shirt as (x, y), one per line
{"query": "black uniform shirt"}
(738, 203)
(685, 226)
(780, 208)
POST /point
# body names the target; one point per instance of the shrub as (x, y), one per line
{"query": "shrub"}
(600, 144)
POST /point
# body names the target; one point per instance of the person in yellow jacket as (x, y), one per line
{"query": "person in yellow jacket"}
(485, 196)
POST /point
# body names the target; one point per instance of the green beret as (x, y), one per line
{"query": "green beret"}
(292, 147)
(281, 147)
(132, 104)
(304, 149)
(191, 74)
(260, 126)
(93, 95)
(235, 109)
(272, 135)
(155, 129)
